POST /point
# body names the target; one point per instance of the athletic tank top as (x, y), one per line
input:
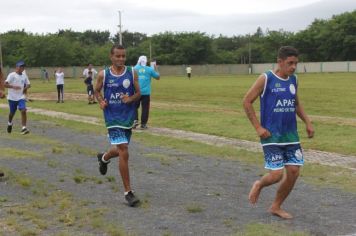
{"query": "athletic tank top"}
(117, 113)
(278, 110)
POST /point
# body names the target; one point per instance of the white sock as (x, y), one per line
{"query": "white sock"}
(23, 127)
(9, 123)
(103, 160)
(128, 192)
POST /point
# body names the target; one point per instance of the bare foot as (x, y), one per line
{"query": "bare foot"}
(254, 192)
(281, 213)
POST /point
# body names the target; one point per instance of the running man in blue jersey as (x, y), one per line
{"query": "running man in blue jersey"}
(120, 92)
(278, 127)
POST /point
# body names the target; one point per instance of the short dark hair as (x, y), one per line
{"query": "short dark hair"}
(287, 51)
(116, 46)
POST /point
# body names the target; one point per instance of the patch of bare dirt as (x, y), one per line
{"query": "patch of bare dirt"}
(53, 96)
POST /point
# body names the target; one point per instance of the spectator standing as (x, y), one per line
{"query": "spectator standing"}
(59, 74)
(145, 73)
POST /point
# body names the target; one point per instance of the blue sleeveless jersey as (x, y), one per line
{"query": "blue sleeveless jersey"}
(278, 110)
(117, 113)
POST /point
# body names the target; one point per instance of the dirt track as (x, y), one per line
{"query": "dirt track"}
(172, 184)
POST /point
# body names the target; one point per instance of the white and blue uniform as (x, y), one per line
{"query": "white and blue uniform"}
(119, 116)
(278, 116)
(16, 97)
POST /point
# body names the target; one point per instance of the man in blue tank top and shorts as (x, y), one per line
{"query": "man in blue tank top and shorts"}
(120, 92)
(277, 129)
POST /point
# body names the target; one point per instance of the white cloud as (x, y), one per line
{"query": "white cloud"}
(211, 16)
(222, 7)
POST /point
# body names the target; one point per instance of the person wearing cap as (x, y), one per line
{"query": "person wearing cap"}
(17, 83)
(145, 73)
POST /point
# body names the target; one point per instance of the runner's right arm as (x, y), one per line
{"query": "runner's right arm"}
(250, 97)
(97, 90)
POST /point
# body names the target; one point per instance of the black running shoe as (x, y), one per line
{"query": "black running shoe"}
(132, 199)
(143, 126)
(25, 131)
(9, 128)
(103, 167)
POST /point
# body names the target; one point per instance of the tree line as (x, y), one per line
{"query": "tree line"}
(324, 40)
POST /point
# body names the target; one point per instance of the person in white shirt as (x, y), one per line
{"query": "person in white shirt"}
(60, 84)
(92, 75)
(86, 72)
(17, 83)
(189, 71)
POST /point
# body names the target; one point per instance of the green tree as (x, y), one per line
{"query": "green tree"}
(329, 40)
(12, 46)
(323, 40)
(90, 37)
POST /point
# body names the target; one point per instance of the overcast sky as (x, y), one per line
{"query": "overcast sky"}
(214, 17)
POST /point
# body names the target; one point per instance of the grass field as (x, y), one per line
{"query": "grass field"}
(213, 105)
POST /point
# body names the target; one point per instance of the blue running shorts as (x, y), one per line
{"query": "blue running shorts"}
(20, 104)
(278, 156)
(119, 136)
